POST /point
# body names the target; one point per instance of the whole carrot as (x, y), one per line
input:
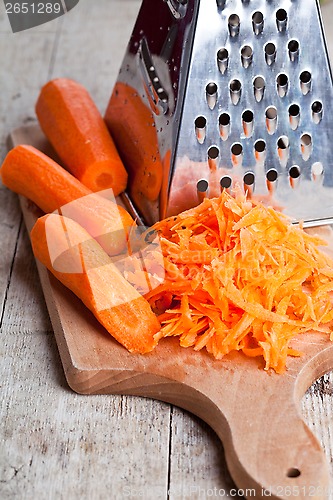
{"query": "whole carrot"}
(29, 172)
(71, 121)
(86, 269)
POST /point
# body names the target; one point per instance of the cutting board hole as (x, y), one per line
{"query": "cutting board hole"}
(293, 472)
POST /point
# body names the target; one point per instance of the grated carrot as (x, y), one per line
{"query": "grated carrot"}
(240, 277)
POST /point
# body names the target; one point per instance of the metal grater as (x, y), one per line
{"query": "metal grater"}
(230, 94)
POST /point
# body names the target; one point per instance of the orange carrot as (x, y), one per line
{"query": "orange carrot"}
(72, 123)
(34, 175)
(133, 129)
(79, 262)
(239, 277)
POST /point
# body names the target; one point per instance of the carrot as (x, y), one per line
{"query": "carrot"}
(72, 123)
(240, 277)
(34, 175)
(79, 262)
(133, 129)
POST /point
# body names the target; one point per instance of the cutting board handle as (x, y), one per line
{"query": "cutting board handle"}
(270, 451)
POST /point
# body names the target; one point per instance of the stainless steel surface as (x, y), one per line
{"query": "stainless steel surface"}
(250, 102)
(145, 108)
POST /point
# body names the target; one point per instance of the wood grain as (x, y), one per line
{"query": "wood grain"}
(58, 444)
(54, 443)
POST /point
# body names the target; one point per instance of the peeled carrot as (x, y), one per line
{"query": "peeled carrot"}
(239, 276)
(133, 129)
(74, 126)
(34, 175)
(79, 262)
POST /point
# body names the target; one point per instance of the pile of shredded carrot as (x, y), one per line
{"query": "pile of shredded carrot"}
(237, 276)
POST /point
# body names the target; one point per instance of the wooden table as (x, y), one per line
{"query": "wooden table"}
(55, 443)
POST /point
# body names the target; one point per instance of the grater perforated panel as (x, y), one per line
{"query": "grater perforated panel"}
(249, 108)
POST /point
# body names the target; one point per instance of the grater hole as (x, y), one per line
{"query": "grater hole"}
(294, 172)
(259, 88)
(317, 107)
(281, 15)
(305, 77)
(306, 140)
(213, 157)
(293, 50)
(272, 175)
(224, 126)
(281, 19)
(271, 119)
(283, 149)
(294, 115)
(236, 154)
(213, 152)
(235, 88)
(257, 22)
(294, 110)
(283, 142)
(317, 111)
(202, 185)
(200, 128)
(222, 59)
(271, 178)
(225, 182)
(260, 146)
(247, 116)
(249, 179)
(200, 122)
(294, 175)
(246, 56)
(211, 94)
(282, 82)
(305, 81)
(247, 119)
(317, 171)
(224, 119)
(260, 150)
(234, 25)
(211, 88)
(237, 149)
(270, 53)
(306, 146)
(234, 20)
(202, 189)
(235, 85)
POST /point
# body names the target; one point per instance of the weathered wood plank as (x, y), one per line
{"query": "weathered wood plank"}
(197, 464)
(60, 440)
(59, 444)
(88, 445)
(20, 76)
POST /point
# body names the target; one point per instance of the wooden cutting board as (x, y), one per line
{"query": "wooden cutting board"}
(256, 414)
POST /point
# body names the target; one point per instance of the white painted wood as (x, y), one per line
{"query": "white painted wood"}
(56, 444)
